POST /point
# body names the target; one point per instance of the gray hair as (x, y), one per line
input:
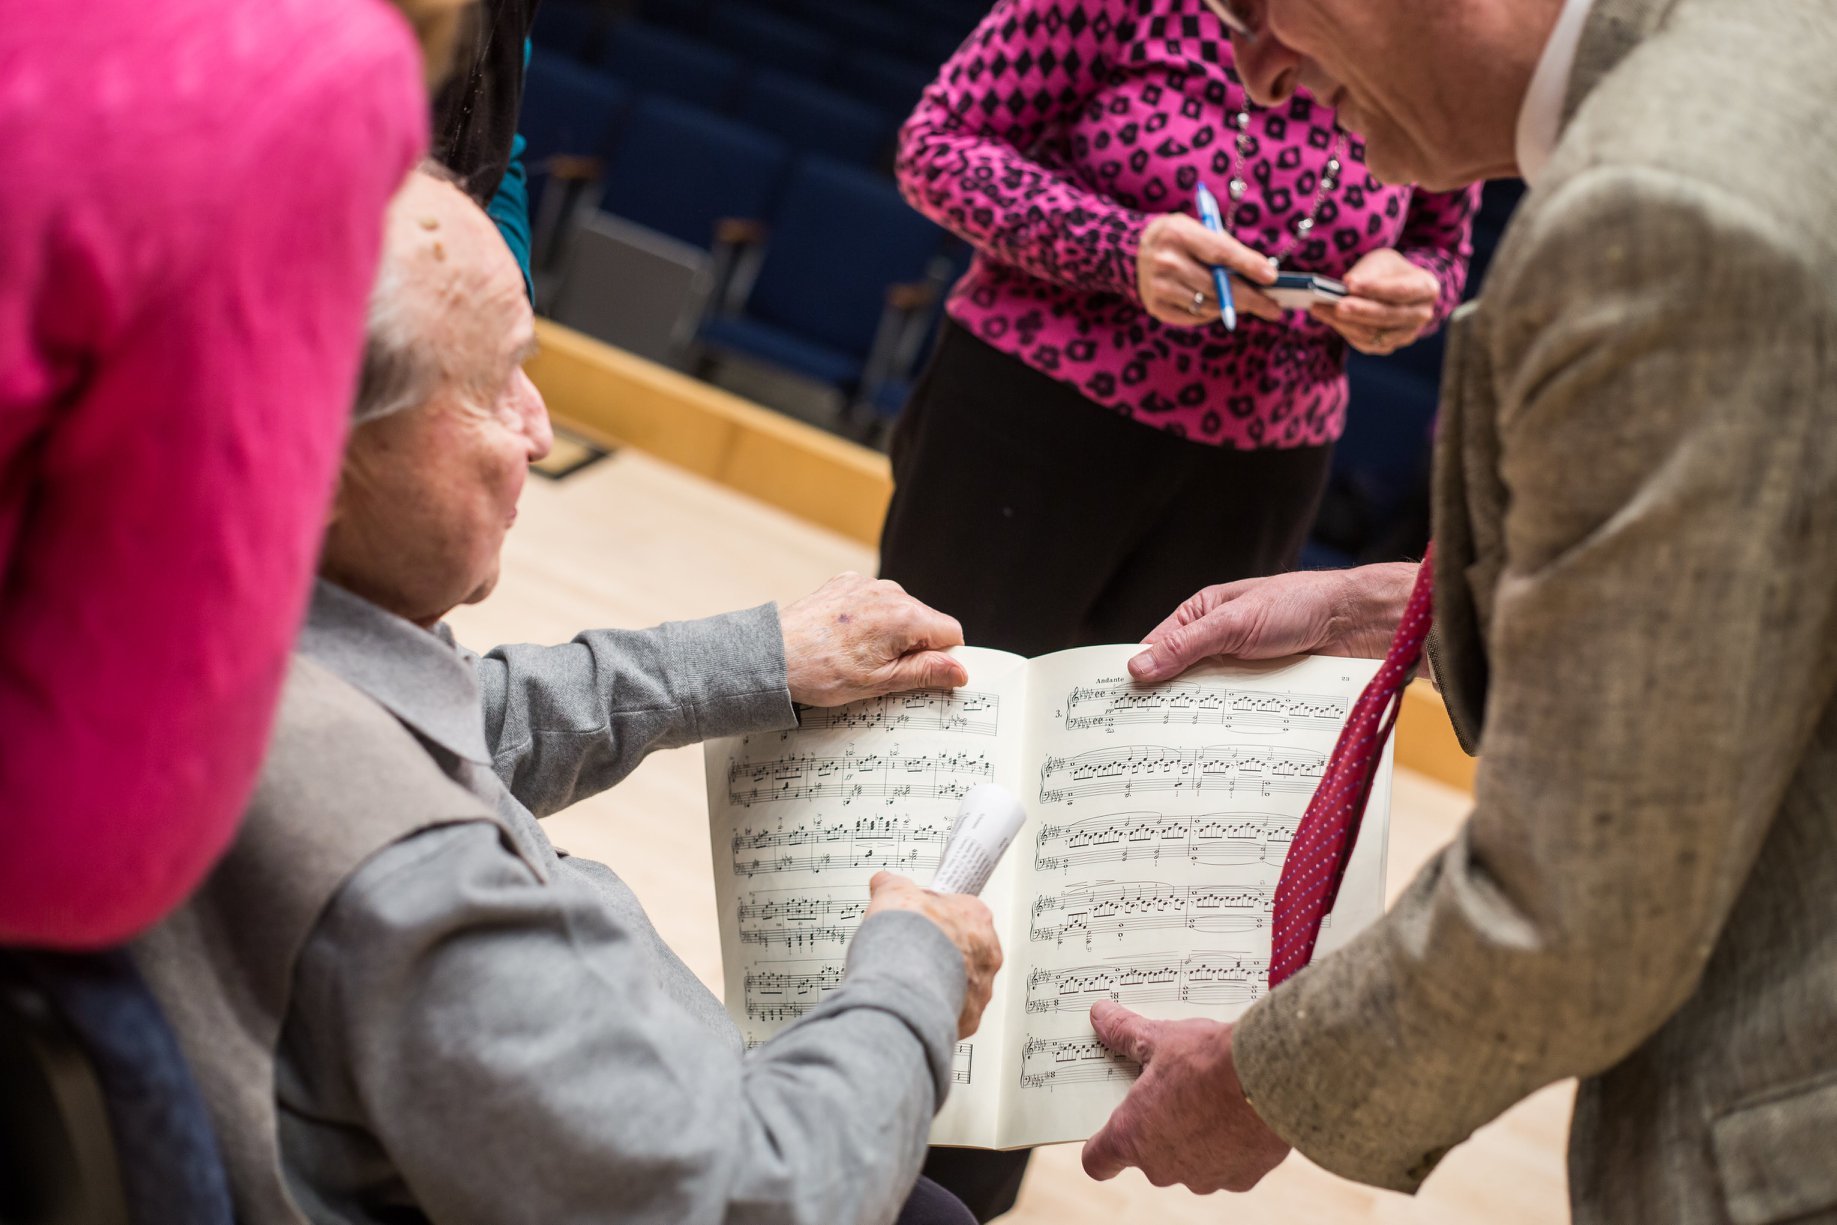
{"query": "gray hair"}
(396, 373)
(399, 370)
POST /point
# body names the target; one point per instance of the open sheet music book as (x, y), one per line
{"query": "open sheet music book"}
(1158, 821)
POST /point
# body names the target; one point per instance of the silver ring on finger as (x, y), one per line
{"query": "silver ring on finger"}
(1199, 302)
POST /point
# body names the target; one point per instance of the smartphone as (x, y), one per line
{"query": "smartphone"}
(1296, 291)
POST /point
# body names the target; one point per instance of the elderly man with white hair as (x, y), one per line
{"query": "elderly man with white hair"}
(403, 1003)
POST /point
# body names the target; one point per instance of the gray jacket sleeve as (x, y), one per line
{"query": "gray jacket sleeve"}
(566, 722)
(510, 1048)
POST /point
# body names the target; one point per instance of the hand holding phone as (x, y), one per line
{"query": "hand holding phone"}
(1297, 291)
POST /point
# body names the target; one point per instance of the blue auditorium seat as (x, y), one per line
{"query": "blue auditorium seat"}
(568, 110)
(824, 303)
(657, 61)
(861, 25)
(763, 37)
(569, 27)
(889, 82)
(813, 118)
(571, 113)
(101, 1122)
(687, 16)
(679, 169)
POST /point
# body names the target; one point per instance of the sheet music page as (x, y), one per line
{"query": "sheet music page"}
(1160, 819)
(801, 820)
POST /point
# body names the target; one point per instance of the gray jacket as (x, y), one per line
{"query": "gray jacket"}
(404, 1004)
(1636, 609)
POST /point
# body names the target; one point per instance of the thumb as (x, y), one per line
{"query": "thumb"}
(1173, 650)
(1159, 662)
(1104, 1156)
(883, 881)
(931, 628)
(1391, 279)
(1212, 249)
(1129, 1034)
(927, 670)
(1209, 249)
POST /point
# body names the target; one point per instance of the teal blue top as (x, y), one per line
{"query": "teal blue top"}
(509, 207)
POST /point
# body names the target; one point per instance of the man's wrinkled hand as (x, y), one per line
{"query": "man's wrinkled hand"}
(1186, 1120)
(1318, 612)
(961, 917)
(856, 637)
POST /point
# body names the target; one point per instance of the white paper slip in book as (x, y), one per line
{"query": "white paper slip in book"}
(987, 821)
(1157, 819)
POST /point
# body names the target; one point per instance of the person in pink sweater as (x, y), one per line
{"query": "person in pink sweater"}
(1090, 443)
(188, 234)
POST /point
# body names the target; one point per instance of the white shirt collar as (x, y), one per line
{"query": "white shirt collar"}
(1540, 117)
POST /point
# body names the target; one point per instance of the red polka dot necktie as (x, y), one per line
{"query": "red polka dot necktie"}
(1316, 861)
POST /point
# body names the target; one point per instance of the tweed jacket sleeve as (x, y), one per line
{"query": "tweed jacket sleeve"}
(1661, 358)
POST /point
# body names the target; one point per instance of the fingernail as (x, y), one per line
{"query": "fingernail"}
(1143, 665)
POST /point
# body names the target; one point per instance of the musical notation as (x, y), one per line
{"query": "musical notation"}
(1186, 703)
(896, 842)
(926, 710)
(784, 994)
(1220, 839)
(850, 776)
(1121, 907)
(1227, 769)
(1046, 1062)
(1198, 978)
(800, 920)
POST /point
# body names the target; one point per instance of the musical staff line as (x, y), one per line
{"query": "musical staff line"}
(1190, 704)
(933, 710)
(1198, 978)
(798, 919)
(1046, 1062)
(897, 842)
(849, 776)
(1226, 768)
(1222, 839)
(1120, 907)
(786, 993)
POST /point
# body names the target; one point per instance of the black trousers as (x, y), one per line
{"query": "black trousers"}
(1042, 520)
(930, 1204)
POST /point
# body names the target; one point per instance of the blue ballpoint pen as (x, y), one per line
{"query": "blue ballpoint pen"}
(1221, 276)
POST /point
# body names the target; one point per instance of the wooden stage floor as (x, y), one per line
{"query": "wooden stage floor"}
(630, 541)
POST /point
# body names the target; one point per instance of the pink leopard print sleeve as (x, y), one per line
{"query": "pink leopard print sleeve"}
(961, 159)
(1438, 238)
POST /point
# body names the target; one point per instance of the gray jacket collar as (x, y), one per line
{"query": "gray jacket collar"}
(1614, 28)
(420, 676)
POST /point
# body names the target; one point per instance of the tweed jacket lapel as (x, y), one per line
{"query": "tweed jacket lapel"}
(1463, 569)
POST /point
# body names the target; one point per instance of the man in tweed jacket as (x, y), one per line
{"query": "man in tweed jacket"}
(1636, 612)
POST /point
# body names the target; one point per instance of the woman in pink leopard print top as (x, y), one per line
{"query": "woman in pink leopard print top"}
(1090, 444)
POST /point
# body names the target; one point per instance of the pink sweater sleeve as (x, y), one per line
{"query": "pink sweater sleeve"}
(190, 229)
(962, 155)
(1438, 237)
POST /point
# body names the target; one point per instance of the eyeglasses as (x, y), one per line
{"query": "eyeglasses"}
(1232, 15)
